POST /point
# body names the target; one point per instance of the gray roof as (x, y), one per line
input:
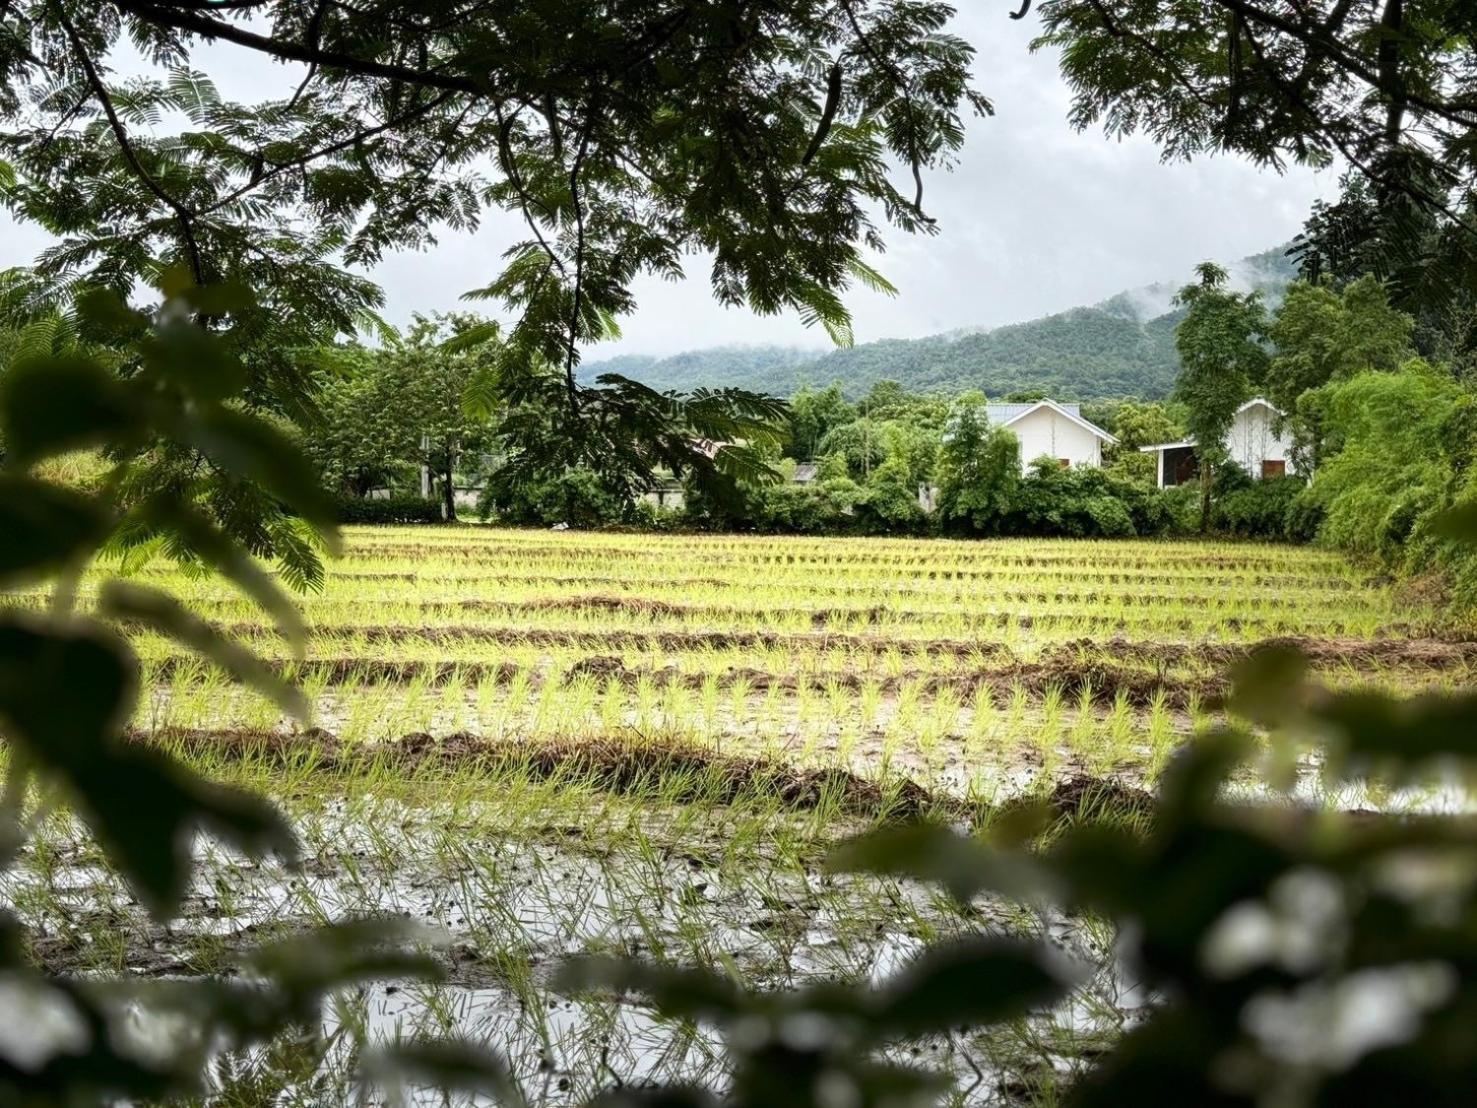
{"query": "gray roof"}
(805, 473)
(1004, 413)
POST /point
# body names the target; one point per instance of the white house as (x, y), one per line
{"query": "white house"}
(1253, 443)
(1046, 428)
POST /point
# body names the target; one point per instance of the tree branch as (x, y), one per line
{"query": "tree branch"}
(579, 267)
(828, 114)
(188, 20)
(183, 215)
(279, 168)
(903, 84)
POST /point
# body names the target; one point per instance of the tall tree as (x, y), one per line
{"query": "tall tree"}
(979, 469)
(359, 441)
(425, 378)
(1426, 259)
(1324, 335)
(813, 415)
(1222, 359)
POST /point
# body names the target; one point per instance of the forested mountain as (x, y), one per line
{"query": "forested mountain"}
(1123, 346)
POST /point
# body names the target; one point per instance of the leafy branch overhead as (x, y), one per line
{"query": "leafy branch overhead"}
(625, 137)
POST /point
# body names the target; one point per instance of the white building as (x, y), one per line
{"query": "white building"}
(1048, 429)
(1253, 443)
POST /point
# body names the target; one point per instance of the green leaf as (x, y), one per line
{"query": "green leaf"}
(472, 337)
(52, 405)
(143, 807)
(193, 93)
(367, 322)
(481, 395)
(124, 600)
(91, 663)
(972, 982)
(1192, 783)
(686, 993)
(175, 281)
(219, 299)
(1458, 523)
(207, 542)
(195, 360)
(249, 447)
(963, 865)
(1400, 732)
(44, 526)
(870, 277)
(344, 953)
(1269, 687)
(104, 311)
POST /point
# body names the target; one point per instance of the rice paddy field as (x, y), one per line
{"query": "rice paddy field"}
(542, 744)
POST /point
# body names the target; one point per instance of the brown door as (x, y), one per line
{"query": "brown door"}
(1272, 468)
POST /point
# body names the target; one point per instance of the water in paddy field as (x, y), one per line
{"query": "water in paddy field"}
(764, 678)
(504, 913)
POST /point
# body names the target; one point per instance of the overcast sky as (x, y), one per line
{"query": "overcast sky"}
(1035, 218)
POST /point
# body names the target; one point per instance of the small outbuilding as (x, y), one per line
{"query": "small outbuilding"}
(1256, 442)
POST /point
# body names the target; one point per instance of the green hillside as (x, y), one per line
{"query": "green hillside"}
(1121, 347)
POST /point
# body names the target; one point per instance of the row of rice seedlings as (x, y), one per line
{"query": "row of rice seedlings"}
(994, 617)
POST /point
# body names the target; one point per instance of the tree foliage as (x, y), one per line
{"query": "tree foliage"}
(69, 684)
(813, 415)
(1322, 335)
(624, 136)
(1385, 86)
(1222, 357)
(979, 468)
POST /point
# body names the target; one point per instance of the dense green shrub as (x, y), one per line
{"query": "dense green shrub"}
(1086, 503)
(891, 502)
(394, 509)
(1405, 443)
(577, 497)
(1256, 509)
(823, 507)
(978, 471)
(1389, 469)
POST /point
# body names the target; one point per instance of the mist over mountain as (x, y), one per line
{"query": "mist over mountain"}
(1122, 346)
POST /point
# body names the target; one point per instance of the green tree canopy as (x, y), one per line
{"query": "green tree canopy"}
(979, 469)
(1220, 348)
(768, 135)
(1136, 424)
(813, 415)
(1323, 334)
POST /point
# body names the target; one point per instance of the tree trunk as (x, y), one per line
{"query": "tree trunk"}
(448, 496)
(1205, 498)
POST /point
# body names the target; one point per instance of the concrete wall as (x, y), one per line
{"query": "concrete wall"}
(1054, 435)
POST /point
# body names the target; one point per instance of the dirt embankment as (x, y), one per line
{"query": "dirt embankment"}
(671, 771)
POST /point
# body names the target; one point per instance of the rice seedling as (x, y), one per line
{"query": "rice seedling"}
(551, 743)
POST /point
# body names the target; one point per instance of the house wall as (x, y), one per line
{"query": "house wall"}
(1253, 440)
(1047, 432)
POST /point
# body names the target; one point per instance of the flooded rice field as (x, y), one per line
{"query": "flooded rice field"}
(537, 747)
